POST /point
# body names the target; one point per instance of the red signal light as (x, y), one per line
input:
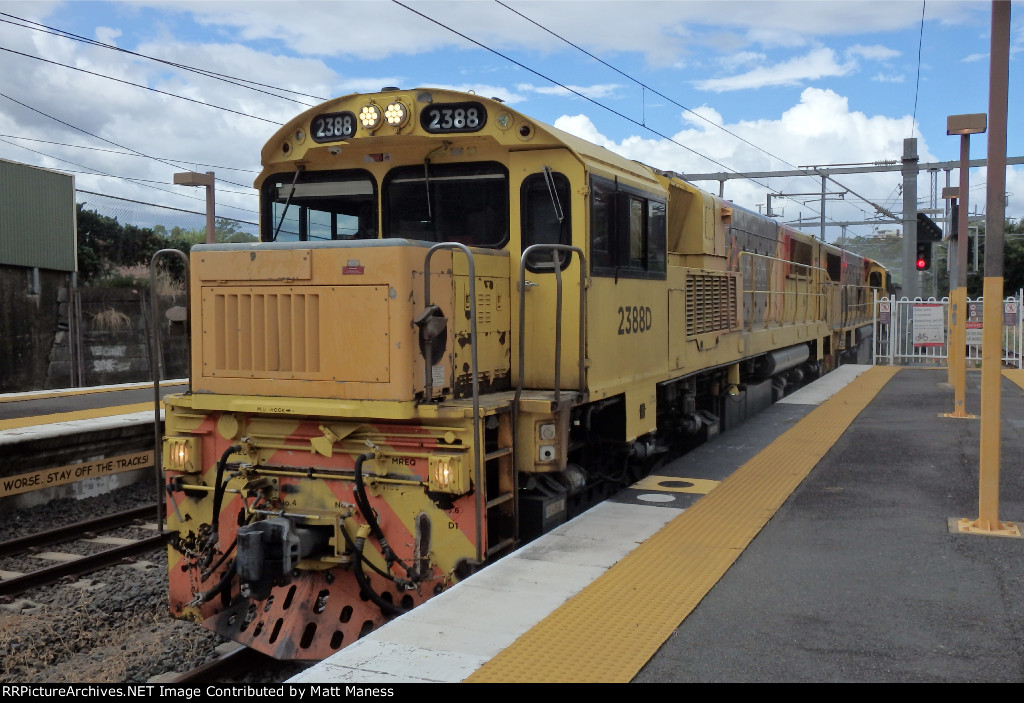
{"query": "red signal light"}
(924, 256)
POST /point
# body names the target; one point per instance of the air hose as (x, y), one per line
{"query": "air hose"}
(363, 503)
(218, 498)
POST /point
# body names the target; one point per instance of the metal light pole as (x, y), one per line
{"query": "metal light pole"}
(910, 170)
(965, 126)
(191, 178)
(950, 194)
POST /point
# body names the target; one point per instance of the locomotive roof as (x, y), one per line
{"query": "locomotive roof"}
(587, 151)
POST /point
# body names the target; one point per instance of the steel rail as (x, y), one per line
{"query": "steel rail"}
(78, 567)
(228, 665)
(68, 532)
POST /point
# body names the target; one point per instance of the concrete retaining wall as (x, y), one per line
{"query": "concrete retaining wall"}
(48, 339)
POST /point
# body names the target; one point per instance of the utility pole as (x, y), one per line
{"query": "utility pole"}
(910, 168)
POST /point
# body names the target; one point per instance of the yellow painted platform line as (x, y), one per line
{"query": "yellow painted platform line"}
(19, 422)
(611, 628)
(36, 395)
(1015, 375)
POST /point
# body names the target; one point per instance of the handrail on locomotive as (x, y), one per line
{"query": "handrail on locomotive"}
(474, 365)
(157, 367)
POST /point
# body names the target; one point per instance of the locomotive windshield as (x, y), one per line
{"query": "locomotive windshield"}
(465, 203)
(319, 206)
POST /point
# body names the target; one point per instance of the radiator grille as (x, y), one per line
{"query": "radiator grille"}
(710, 303)
(265, 332)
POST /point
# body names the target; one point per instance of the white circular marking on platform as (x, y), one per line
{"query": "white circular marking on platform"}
(656, 498)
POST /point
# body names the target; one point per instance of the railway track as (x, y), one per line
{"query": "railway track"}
(70, 563)
(231, 666)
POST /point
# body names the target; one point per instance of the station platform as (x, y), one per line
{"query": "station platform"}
(35, 414)
(76, 442)
(817, 542)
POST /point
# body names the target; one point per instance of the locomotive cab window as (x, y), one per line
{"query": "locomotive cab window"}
(465, 203)
(802, 254)
(321, 206)
(627, 231)
(834, 266)
(545, 217)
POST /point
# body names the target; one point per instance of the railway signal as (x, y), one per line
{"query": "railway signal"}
(924, 256)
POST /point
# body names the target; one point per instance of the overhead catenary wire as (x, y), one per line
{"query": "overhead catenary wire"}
(642, 84)
(646, 87)
(96, 172)
(917, 83)
(140, 85)
(162, 207)
(103, 139)
(126, 153)
(621, 115)
(138, 181)
(35, 26)
(577, 93)
(234, 80)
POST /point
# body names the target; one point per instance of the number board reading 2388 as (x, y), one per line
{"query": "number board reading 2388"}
(444, 118)
(333, 126)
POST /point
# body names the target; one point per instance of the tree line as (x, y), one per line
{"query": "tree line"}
(889, 252)
(107, 248)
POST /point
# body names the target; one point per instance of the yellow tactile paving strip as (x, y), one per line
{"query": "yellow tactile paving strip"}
(609, 630)
(20, 422)
(1015, 375)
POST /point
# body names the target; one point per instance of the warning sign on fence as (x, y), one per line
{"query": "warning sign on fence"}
(929, 326)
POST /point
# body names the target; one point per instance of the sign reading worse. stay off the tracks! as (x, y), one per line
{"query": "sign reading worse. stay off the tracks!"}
(45, 478)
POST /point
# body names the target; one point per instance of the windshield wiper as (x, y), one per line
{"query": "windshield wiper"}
(287, 202)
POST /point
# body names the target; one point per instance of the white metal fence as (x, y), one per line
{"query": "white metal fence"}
(916, 332)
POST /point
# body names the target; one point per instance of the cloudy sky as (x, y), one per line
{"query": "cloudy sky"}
(124, 94)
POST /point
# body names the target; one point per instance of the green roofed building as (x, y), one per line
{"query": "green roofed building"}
(38, 257)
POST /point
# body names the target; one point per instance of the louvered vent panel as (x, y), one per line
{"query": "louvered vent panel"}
(710, 303)
(265, 332)
(484, 308)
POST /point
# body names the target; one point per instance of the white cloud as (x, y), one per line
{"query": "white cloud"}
(582, 127)
(819, 63)
(297, 44)
(594, 92)
(704, 117)
(819, 130)
(732, 62)
(888, 78)
(665, 32)
(107, 35)
(872, 53)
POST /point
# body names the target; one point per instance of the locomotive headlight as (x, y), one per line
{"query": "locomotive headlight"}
(447, 475)
(547, 431)
(370, 117)
(180, 454)
(396, 114)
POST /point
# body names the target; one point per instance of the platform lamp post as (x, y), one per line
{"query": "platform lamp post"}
(965, 126)
(191, 178)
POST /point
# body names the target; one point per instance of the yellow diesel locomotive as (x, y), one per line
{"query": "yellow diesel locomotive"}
(460, 328)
